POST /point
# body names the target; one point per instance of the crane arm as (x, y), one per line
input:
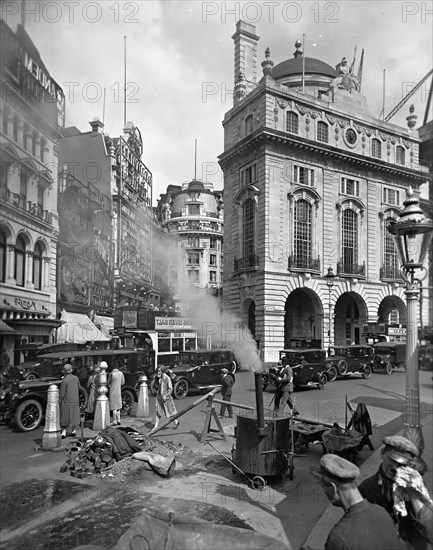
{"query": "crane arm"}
(408, 96)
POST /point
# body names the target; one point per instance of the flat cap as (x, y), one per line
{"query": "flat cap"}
(338, 468)
(67, 368)
(400, 449)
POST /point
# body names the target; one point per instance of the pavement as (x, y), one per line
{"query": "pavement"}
(278, 511)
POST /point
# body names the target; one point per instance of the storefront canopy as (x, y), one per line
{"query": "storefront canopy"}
(77, 328)
(105, 324)
(5, 328)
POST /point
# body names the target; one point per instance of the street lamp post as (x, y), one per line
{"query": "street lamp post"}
(412, 233)
(330, 282)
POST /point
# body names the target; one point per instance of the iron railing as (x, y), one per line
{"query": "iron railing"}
(20, 202)
(304, 263)
(350, 269)
(248, 262)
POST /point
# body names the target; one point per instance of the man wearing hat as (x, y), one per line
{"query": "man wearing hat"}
(226, 390)
(284, 391)
(397, 480)
(69, 401)
(364, 526)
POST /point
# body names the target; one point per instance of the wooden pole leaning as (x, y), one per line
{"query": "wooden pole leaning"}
(211, 413)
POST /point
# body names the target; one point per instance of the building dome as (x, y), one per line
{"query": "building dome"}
(293, 66)
(195, 185)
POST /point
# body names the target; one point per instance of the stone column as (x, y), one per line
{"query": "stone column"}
(10, 263)
(143, 398)
(45, 283)
(102, 410)
(51, 438)
(28, 279)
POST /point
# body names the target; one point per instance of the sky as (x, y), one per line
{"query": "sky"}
(180, 63)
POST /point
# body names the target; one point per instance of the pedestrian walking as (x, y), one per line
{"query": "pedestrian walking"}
(4, 366)
(164, 399)
(92, 386)
(398, 487)
(69, 401)
(117, 380)
(226, 389)
(284, 391)
(364, 526)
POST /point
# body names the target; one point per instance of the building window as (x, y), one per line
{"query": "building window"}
(34, 141)
(193, 258)
(2, 257)
(302, 175)
(212, 259)
(322, 132)
(349, 186)
(15, 129)
(23, 188)
(173, 278)
(41, 191)
(193, 276)
(213, 243)
(212, 277)
(391, 196)
(390, 255)
(400, 155)
(37, 266)
(394, 318)
(193, 242)
(249, 223)
(376, 148)
(249, 175)
(20, 251)
(193, 209)
(43, 147)
(249, 125)
(302, 231)
(292, 123)
(5, 120)
(349, 240)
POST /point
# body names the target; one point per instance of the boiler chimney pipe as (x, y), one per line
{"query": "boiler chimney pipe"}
(261, 429)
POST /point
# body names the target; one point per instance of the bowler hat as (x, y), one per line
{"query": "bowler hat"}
(67, 368)
(400, 449)
(338, 468)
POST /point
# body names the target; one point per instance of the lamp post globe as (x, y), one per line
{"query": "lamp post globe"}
(412, 233)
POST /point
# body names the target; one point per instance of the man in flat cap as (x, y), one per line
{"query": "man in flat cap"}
(364, 526)
(227, 382)
(398, 487)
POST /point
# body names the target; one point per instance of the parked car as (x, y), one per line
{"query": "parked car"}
(308, 366)
(26, 400)
(389, 356)
(200, 369)
(425, 357)
(344, 360)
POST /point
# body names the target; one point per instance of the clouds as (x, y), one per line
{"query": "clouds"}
(176, 50)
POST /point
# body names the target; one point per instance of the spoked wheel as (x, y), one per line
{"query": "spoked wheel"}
(154, 384)
(258, 483)
(127, 402)
(323, 380)
(29, 415)
(342, 367)
(366, 373)
(180, 389)
(388, 368)
(332, 373)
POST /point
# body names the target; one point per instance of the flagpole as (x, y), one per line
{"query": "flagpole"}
(303, 63)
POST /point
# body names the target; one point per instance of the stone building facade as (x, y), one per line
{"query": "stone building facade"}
(311, 180)
(32, 115)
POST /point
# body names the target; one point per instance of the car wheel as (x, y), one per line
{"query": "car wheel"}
(366, 373)
(388, 368)
(31, 376)
(180, 389)
(332, 374)
(127, 402)
(154, 384)
(323, 380)
(342, 367)
(82, 398)
(29, 415)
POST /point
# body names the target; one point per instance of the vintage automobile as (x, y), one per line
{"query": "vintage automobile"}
(425, 356)
(344, 360)
(26, 400)
(308, 368)
(200, 369)
(388, 356)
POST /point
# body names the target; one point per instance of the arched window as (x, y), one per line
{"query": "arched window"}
(292, 123)
(249, 125)
(376, 148)
(2, 257)
(400, 155)
(248, 229)
(302, 233)
(322, 132)
(349, 240)
(20, 261)
(37, 266)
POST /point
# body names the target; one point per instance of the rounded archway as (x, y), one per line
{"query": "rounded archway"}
(303, 319)
(350, 314)
(248, 312)
(391, 311)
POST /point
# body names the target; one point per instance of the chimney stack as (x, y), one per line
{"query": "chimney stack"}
(97, 126)
(245, 39)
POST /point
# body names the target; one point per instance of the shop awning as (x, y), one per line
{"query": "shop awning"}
(77, 328)
(5, 328)
(105, 324)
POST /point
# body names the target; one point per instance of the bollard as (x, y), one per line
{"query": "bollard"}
(102, 410)
(143, 398)
(52, 436)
